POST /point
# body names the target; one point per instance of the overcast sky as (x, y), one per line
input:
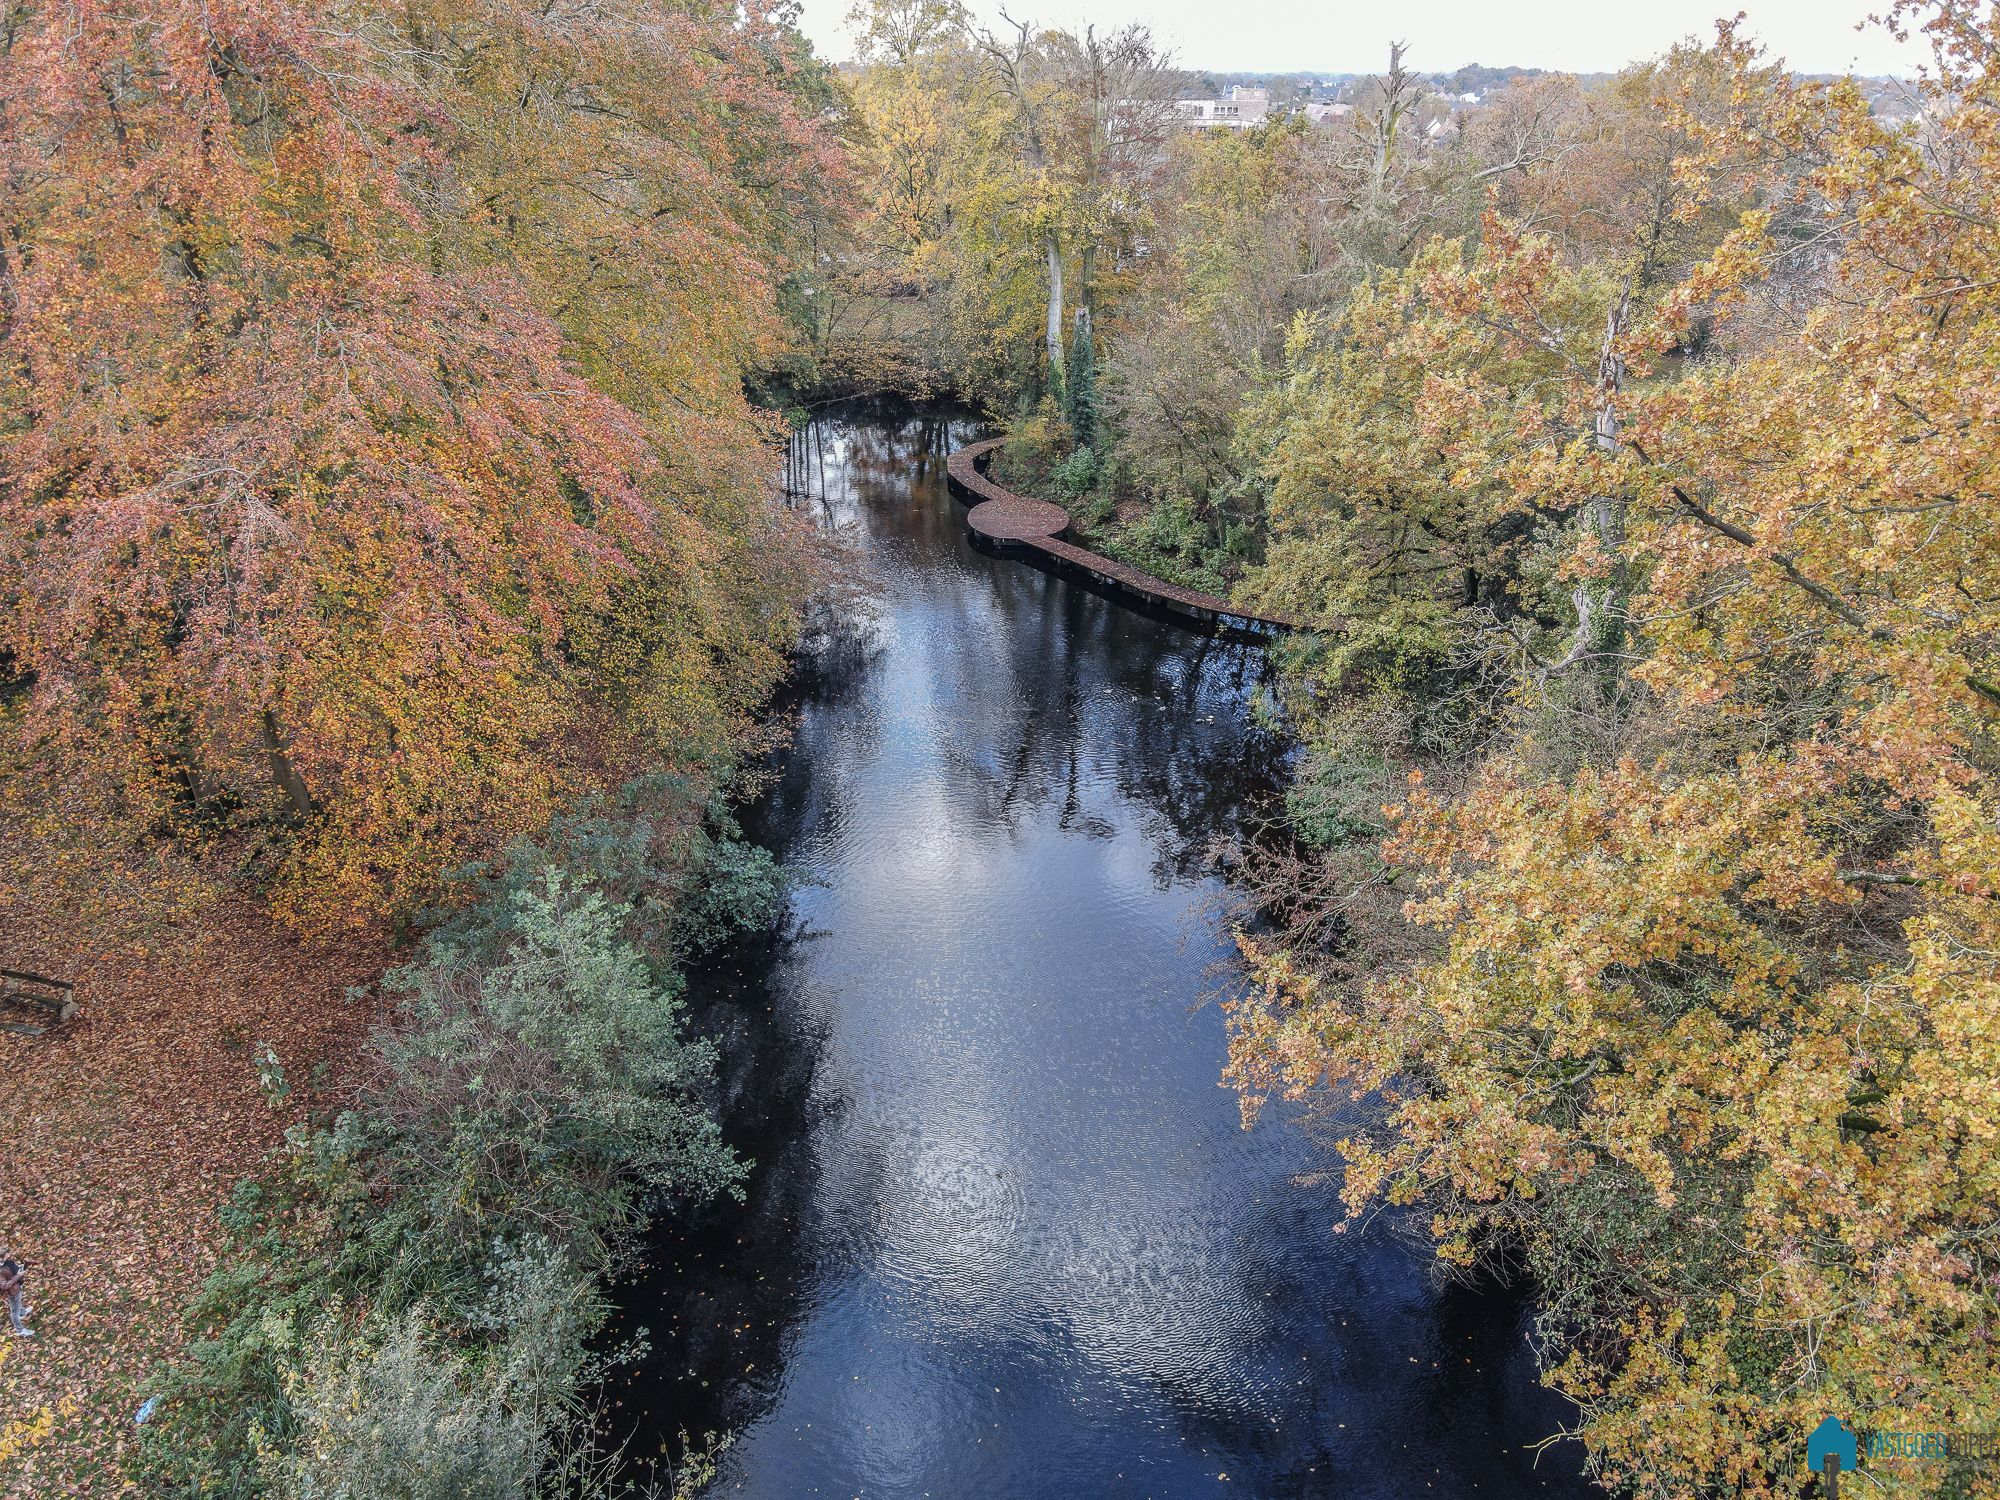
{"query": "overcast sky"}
(1353, 36)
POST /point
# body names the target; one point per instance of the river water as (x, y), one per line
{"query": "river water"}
(1005, 1236)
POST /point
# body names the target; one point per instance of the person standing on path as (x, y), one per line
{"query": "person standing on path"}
(13, 1291)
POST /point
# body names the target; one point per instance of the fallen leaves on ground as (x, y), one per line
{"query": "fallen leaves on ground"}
(126, 1128)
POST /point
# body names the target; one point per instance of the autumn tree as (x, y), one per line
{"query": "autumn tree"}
(1250, 232)
(1090, 118)
(1238, 248)
(1696, 1008)
(376, 471)
(935, 269)
(1387, 512)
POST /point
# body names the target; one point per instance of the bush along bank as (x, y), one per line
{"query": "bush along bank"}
(411, 1302)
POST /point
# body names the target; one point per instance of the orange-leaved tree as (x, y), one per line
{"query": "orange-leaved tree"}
(328, 505)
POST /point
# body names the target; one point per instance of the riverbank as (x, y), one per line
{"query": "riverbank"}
(252, 1164)
(411, 1294)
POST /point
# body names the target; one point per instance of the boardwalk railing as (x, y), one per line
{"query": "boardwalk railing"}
(999, 515)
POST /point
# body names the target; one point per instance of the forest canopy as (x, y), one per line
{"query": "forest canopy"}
(378, 470)
(385, 493)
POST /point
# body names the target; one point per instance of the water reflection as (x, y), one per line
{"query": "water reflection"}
(1005, 1237)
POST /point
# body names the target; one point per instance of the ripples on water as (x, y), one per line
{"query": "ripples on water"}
(1005, 1236)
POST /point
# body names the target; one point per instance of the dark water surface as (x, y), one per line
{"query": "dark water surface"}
(1005, 1236)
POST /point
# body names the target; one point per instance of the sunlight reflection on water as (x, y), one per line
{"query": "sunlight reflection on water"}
(1006, 1237)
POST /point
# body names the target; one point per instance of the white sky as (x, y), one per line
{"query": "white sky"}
(1353, 36)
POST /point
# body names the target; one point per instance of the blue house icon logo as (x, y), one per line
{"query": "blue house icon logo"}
(1831, 1439)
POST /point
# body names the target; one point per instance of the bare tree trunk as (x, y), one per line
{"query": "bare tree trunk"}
(1607, 512)
(1601, 604)
(1055, 330)
(1401, 93)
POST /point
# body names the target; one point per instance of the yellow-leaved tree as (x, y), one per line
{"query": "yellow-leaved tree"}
(1708, 1017)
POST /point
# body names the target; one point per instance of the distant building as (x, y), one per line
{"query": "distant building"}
(1320, 113)
(1242, 109)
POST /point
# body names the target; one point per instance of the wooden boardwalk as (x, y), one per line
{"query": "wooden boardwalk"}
(1001, 516)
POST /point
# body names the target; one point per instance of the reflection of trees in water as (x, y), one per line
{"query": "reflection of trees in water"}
(1068, 673)
(1203, 785)
(1052, 686)
(882, 443)
(1164, 707)
(724, 1283)
(871, 443)
(837, 649)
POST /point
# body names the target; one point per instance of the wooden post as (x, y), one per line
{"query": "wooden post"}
(1829, 1468)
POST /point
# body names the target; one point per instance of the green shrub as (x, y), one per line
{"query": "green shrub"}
(392, 1412)
(1337, 796)
(743, 888)
(679, 883)
(552, 1087)
(1079, 390)
(1036, 443)
(409, 1300)
(1074, 476)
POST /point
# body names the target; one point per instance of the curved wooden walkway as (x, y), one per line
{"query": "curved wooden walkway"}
(999, 515)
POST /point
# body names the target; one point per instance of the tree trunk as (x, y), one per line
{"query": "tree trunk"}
(1601, 604)
(1607, 511)
(1086, 292)
(283, 772)
(1055, 330)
